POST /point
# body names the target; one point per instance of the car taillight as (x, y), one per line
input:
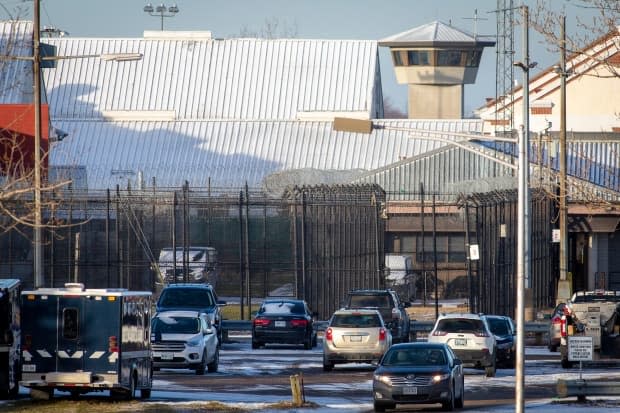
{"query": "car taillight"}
(261, 322)
(563, 331)
(439, 333)
(27, 343)
(112, 344)
(556, 320)
(481, 334)
(382, 334)
(328, 334)
(299, 323)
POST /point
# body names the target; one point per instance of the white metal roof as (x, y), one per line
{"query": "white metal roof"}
(15, 75)
(435, 34)
(231, 153)
(202, 78)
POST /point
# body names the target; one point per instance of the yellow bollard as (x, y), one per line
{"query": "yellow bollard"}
(297, 389)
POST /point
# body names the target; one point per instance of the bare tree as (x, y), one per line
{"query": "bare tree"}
(272, 28)
(600, 26)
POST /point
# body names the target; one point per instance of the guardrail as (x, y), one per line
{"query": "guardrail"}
(534, 327)
(582, 388)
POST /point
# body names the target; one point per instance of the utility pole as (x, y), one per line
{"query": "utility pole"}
(36, 74)
(564, 287)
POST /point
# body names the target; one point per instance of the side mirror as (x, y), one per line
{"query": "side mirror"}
(222, 303)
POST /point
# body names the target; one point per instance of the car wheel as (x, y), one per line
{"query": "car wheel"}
(255, 344)
(449, 404)
(553, 348)
(213, 366)
(328, 365)
(460, 402)
(491, 370)
(314, 341)
(308, 343)
(566, 364)
(200, 370)
(145, 393)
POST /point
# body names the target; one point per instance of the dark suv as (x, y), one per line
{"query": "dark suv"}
(394, 312)
(195, 297)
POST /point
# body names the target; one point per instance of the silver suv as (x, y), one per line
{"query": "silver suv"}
(186, 340)
(355, 336)
(469, 337)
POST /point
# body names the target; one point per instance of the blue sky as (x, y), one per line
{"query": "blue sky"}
(316, 19)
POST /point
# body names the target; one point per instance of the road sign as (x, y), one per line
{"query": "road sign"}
(580, 348)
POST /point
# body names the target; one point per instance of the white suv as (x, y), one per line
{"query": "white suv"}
(184, 340)
(469, 337)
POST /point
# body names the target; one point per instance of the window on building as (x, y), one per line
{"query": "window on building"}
(449, 58)
(419, 57)
(473, 58)
(398, 58)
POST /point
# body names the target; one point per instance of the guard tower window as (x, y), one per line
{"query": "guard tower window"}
(473, 58)
(449, 58)
(70, 323)
(419, 57)
(398, 58)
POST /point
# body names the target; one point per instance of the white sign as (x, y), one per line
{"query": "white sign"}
(579, 348)
(555, 235)
(474, 254)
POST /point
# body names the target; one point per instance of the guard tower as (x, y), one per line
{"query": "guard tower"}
(436, 61)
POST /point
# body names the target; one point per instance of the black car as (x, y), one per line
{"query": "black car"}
(284, 321)
(504, 330)
(418, 373)
(193, 297)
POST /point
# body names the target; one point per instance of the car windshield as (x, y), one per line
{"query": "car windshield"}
(592, 298)
(176, 325)
(498, 326)
(356, 320)
(282, 307)
(422, 356)
(461, 325)
(363, 301)
(186, 298)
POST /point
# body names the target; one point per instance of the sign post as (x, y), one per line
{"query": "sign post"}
(580, 349)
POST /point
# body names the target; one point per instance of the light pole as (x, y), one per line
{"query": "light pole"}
(160, 11)
(523, 215)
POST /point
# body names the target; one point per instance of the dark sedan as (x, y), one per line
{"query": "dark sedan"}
(284, 321)
(418, 373)
(504, 330)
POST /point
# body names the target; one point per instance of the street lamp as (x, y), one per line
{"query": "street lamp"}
(160, 11)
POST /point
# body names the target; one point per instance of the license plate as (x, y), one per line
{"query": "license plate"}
(280, 324)
(167, 356)
(410, 390)
(460, 342)
(355, 338)
(30, 368)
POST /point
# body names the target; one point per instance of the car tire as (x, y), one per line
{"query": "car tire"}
(314, 341)
(308, 343)
(213, 366)
(460, 402)
(328, 365)
(145, 393)
(381, 407)
(255, 345)
(566, 364)
(492, 369)
(448, 405)
(200, 370)
(553, 348)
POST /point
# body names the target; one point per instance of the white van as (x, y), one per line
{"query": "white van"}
(399, 275)
(201, 265)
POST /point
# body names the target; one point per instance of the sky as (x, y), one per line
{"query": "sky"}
(307, 19)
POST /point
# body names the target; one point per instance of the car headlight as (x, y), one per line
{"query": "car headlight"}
(440, 377)
(194, 342)
(383, 379)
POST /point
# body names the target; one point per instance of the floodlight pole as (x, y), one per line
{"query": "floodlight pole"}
(523, 218)
(36, 73)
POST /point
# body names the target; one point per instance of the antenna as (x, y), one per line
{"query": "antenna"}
(475, 19)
